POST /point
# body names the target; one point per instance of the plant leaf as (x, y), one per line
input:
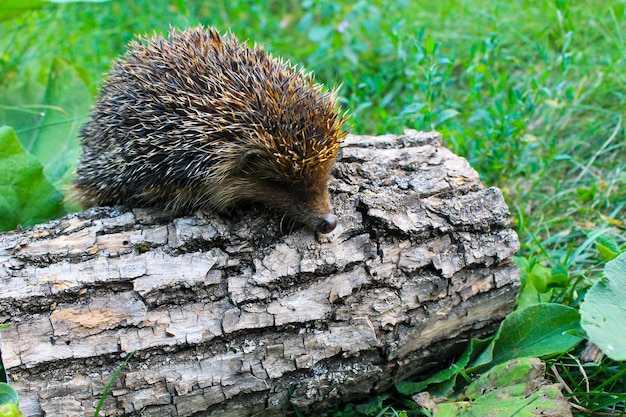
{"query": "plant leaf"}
(559, 277)
(445, 115)
(603, 311)
(529, 294)
(47, 104)
(514, 388)
(26, 196)
(607, 248)
(7, 394)
(537, 330)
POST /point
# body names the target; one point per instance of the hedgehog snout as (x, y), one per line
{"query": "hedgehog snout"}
(311, 207)
(327, 224)
(318, 212)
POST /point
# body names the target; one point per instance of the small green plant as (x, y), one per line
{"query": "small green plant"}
(111, 381)
(603, 311)
(26, 195)
(9, 404)
(513, 388)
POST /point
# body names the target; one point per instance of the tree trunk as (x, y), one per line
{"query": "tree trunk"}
(230, 316)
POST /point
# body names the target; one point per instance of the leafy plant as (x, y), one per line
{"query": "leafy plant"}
(26, 196)
(516, 387)
(539, 282)
(9, 403)
(48, 113)
(603, 312)
(45, 100)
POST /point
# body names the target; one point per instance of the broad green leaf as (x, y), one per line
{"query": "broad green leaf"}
(540, 277)
(9, 404)
(26, 196)
(603, 311)
(537, 330)
(7, 394)
(412, 108)
(515, 388)
(445, 115)
(47, 105)
(559, 277)
(607, 248)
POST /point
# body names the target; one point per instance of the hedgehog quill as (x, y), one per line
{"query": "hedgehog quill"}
(197, 121)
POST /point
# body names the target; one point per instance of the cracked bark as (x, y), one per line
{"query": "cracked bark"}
(232, 317)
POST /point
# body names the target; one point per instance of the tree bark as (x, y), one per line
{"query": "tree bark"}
(230, 316)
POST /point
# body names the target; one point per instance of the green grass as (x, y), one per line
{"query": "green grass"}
(533, 94)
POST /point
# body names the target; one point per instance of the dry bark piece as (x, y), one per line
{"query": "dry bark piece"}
(232, 317)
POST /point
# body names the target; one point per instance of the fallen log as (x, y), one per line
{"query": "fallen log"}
(241, 315)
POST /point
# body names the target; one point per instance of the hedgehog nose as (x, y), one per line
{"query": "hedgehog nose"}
(327, 224)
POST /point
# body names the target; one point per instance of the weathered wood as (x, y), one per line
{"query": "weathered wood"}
(232, 317)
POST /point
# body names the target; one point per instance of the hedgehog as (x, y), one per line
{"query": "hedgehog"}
(199, 121)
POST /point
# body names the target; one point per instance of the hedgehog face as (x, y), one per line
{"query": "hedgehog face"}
(306, 204)
(305, 199)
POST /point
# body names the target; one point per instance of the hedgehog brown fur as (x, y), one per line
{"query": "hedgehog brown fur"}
(197, 121)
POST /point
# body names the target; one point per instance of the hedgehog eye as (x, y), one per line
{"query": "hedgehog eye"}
(286, 187)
